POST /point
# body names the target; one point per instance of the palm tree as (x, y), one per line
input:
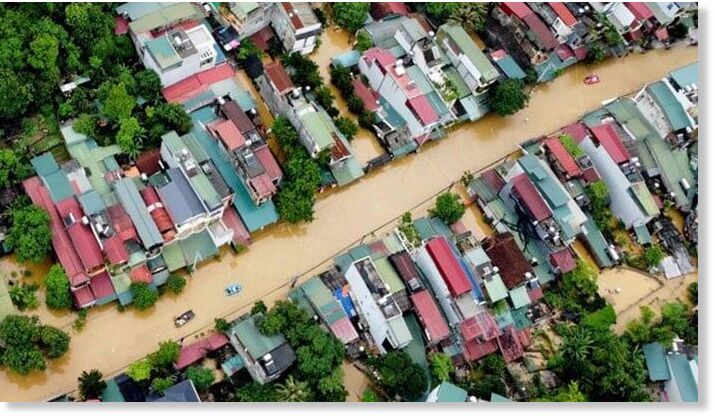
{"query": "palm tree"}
(91, 384)
(293, 390)
(471, 16)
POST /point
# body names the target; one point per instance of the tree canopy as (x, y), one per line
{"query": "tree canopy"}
(58, 294)
(351, 16)
(508, 97)
(91, 384)
(448, 208)
(26, 343)
(144, 295)
(400, 375)
(201, 377)
(30, 234)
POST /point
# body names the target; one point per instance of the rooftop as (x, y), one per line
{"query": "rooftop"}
(505, 254)
(435, 326)
(165, 16)
(132, 203)
(462, 43)
(445, 260)
(276, 73)
(529, 197)
(671, 107)
(256, 343)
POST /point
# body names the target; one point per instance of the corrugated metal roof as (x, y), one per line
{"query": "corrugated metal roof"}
(256, 343)
(519, 297)
(432, 320)
(687, 75)
(132, 203)
(529, 197)
(468, 47)
(448, 266)
(164, 16)
(671, 107)
(683, 377)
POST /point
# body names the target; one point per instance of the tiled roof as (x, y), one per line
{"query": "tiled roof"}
(510, 345)
(267, 159)
(231, 110)
(475, 350)
(610, 140)
(83, 296)
(115, 250)
(101, 285)
(562, 156)
(141, 274)
(530, 198)
(134, 206)
(262, 185)
(448, 266)
(241, 236)
(158, 212)
(433, 322)
(577, 130)
(280, 78)
(196, 84)
(562, 260)
(505, 254)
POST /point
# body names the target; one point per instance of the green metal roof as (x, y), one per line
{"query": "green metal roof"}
(674, 166)
(628, 114)
(656, 362)
(495, 288)
(233, 365)
(163, 52)
(349, 170)
(58, 185)
(687, 75)
(519, 297)
(71, 136)
(510, 67)
(206, 191)
(683, 377)
(546, 183)
(449, 392)
(256, 343)
(319, 128)
(91, 202)
(520, 318)
(198, 247)
(596, 243)
(495, 397)
(644, 198)
(673, 110)
(121, 282)
(387, 273)
(134, 206)
(166, 16)
(468, 47)
(173, 256)
(44, 164)
(112, 393)
(92, 157)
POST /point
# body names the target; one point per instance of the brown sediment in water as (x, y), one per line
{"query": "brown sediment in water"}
(112, 339)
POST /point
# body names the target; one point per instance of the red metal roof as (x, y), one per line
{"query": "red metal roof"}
(101, 285)
(385, 9)
(241, 236)
(83, 239)
(541, 31)
(581, 52)
(505, 254)
(83, 297)
(661, 34)
(267, 159)
(61, 242)
(577, 130)
(448, 266)
(381, 56)
(148, 161)
(435, 326)
(529, 197)
(121, 25)
(344, 330)
(115, 250)
(535, 294)
(368, 96)
(191, 87)
(192, 353)
(474, 350)
(263, 186)
(562, 156)
(563, 13)
(379, 248)
(564, 52)
(227, 132)
(262, 38)
(140, 274)
(122, 223)
(510, 345)
(231, 110)
(590, 175)
(518, 9)
(607, 136)
(562, 260)
(421, 107)
(294, 17)
(280, 78)
(640, 10)
(494, 180)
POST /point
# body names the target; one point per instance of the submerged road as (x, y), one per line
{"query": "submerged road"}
(112, 339)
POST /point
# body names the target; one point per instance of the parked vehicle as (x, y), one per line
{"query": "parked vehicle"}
(182, 319)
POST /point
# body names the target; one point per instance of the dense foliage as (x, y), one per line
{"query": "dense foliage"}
(201, 377)
(58, 294)
(30, 234)
(91, 384)
(176, 283)
(508, 97)
(448, 208)
(25, 343)
(144, 295)
(351, 16)
(401, 376)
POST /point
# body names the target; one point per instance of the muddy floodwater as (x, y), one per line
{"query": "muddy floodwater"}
(112, 339)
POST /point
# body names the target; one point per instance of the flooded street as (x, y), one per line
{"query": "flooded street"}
(334, 42)
(112, 339)
(355, 382)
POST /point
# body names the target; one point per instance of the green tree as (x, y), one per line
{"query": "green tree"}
(400, 375)
(406, 227)
(292, 390)
(439, 13)
(255, 392)
(320, 354)
(570, 393)
(160, 384)
(596, 53)
(91, 384)
(508, 97)
(57, 288)
(342, 79)
(693, 293)
(176, 283)
(166, 355)
(140, 370)
(23, 296)
(347, 127)
(86, 124)
(23, 360)
(304, 71)
(579, 288)
(331, 387)
(118, 104)
(350, 16)
(259, 308)
(369, 395)
(677, 318)
(129, 136)
(470, 16)
(144, 295)
(324, 97)
(30, 235)
(201, 377)
(441, 366)
(653, 255)
(248, 48)
(53, 341)
(16, 95)
(364, 41)
(11, 169)
(221, 325)
(148, 84)
(448, 208)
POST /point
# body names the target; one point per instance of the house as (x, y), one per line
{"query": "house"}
(388, 10)
(489, 274)
(676, 372)
(533, 36)
(508, 66)
(623, 20)
(316, 297)
(433, 323)
(512, 265)
(194, 352)
(447, 392)
(389, 78)
(183, 391)
(377, 306)
(265, 357)
(667, 110)
(247, 17)
(472, 65)
(297, 26)
(174, 43)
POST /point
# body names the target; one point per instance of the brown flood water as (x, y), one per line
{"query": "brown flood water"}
(112, 339)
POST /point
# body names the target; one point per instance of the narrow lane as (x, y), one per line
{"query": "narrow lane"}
(113, 339)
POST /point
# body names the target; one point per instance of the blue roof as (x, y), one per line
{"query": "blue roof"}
(183, 391)
(347, 59)
(510, 67)
(687, 75)
(44, 164)
(346, 301)
(656, 362)
(179, 197)
(254, 216)
(683, 376)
